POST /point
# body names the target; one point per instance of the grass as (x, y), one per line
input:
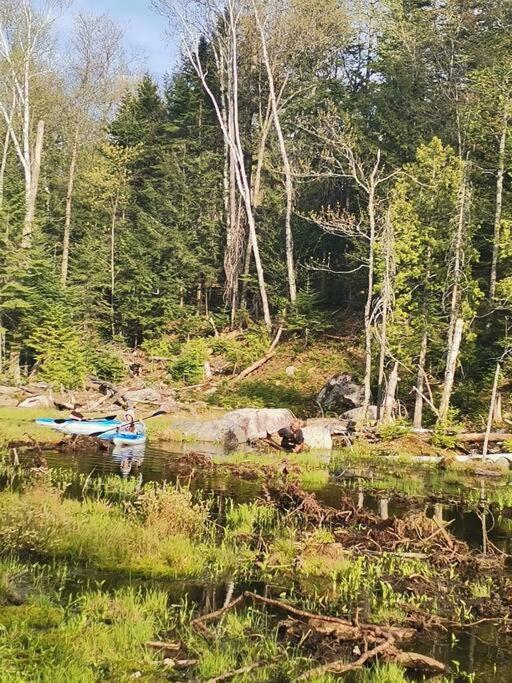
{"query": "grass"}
(98, 636)
(17, 425)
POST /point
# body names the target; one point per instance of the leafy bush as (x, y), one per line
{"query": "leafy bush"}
(188, 366)
(244, 351)
(393, 430)
(171, 511)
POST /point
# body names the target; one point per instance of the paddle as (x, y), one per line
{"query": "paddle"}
(117, 427)
(61, 420)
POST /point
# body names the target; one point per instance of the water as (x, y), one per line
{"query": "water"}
(481, 649)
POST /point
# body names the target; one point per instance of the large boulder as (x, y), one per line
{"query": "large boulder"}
(40, 401)
(356, 414)
(341, 393)
(241, 425)
(142, 396)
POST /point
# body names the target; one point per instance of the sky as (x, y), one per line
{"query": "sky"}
(144, 31)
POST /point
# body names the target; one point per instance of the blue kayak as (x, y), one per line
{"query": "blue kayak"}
(84, 427)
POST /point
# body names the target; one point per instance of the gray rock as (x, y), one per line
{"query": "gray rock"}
(142, 396)
(40, 401)
(241, 425)
(291, 370)
(356, 414)
(341, 393)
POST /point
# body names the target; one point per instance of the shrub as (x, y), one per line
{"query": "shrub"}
(393, 430)
(189, 364)
(171, 511)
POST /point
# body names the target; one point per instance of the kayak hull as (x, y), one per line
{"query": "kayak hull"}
(129, 439)
(78, 427)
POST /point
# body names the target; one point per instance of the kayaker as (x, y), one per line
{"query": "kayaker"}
(292, 437)
(129, 418)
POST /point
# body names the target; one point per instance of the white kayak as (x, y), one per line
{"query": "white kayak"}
(122, 437)
(81, 427)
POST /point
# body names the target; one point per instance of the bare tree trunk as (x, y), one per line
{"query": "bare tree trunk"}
(499, 202)
(451, 366)
(368, 307)
(417, 422)
(3, 164)
(229, 60)
(458, 250)
(67, 217)
(386, 306)
(31, 187)
(113, 259)
(390, 399)
(290, 264)
(491, 411)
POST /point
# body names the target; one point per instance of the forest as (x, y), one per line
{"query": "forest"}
(255, 347)
(310, 167)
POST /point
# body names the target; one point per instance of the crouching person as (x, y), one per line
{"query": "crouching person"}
(292, 438)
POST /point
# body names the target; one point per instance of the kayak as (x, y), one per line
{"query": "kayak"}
(82, 427)
(125, 438)
(129, 439)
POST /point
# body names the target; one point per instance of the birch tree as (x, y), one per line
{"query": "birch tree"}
(220, 22)
(25, 49)
(96, 64)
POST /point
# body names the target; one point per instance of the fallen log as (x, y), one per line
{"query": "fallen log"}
(479, 437)
(259, 363)
(341, 667)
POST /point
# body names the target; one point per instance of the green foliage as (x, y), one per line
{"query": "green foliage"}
(393, 430)
(106, 364)
(188, 365)
(59, 349)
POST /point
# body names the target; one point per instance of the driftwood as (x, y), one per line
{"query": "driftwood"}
(258, 364)
(159, 645)
(383, 638)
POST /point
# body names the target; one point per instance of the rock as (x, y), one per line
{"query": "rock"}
(142, 396)
(356, 414)
(40, 401)
(8, 391)
(291, 370)
(170, 405)
(241, 425)
(8, 401)
(341, 393)
(317, 436)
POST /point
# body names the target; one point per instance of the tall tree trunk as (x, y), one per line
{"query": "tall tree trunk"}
(490, 416)
(417, 422)
(67, 216)
(113, 260)
(499, 201)
(3, 164)
(458, 251)
(290, 263)
(386, 307)
(390, 399)
(31, 187)
(368, 308)
(451, 366)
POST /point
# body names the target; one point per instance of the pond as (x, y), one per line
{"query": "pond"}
(475, 510)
